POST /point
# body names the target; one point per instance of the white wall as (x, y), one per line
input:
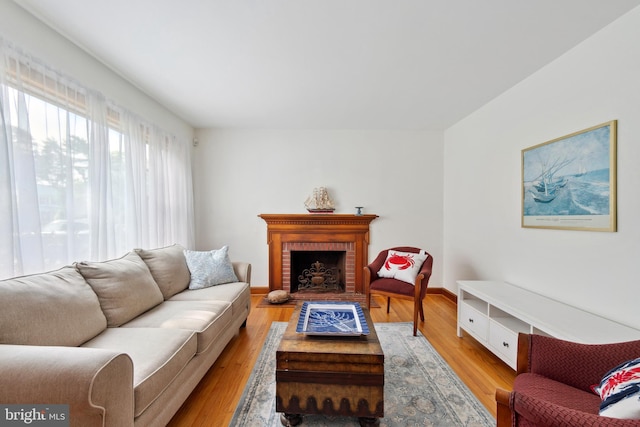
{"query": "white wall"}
(34, 37)
(240, 174)
(598, 271)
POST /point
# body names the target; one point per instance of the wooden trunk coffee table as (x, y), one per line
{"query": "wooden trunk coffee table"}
(335, 376)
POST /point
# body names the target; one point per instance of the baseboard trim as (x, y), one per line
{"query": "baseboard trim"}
(263, 290)
(445, 293)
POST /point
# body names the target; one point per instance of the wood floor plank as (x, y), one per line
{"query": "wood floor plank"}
(214, 400)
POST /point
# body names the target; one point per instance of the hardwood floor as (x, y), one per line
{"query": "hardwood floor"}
(213, 402)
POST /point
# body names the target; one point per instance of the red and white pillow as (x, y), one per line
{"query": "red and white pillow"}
(620, 391)
(403, 266)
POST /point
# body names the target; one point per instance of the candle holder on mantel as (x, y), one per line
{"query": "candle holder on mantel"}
(359, 210)
(319, 202)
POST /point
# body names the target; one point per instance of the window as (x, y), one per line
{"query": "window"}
(80, 178)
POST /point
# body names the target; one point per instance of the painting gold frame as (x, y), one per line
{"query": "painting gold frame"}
(569, 183)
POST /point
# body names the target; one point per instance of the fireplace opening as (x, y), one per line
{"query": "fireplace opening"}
(318, 271)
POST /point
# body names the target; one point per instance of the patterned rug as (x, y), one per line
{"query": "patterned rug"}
(420, 388)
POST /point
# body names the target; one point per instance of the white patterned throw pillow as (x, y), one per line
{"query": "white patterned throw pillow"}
(209, 268)
(620, 391)
(403, 266)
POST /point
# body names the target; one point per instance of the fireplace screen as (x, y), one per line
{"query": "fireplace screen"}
(317, 271)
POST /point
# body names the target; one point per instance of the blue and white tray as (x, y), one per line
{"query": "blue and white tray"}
(332, 318)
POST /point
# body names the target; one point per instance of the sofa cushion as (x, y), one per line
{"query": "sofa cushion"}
(124, 286)
(238, 294)
(168, 267)
(209, 268)
(561, 394)
(532, 412)
(54, 308)
(158, 355)
(207, 318)
(394, 286)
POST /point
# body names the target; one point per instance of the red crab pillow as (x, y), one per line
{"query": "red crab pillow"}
(403, 266)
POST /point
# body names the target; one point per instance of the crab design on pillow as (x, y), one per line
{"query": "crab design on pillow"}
(402, 262)
(403, 266)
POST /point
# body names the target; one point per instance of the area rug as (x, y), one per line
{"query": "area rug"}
(420, 388)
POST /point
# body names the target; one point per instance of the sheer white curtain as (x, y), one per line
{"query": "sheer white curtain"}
(81, 178)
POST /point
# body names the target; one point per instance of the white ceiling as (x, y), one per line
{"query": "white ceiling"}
(326, 64)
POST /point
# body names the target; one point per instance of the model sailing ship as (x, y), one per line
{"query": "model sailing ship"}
(319, 201)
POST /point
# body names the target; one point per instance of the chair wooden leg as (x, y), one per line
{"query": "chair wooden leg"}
(388, 304)
(417, 308)
(421, 312)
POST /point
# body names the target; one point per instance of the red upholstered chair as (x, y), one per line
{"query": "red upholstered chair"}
(373, 284)
(554, 380)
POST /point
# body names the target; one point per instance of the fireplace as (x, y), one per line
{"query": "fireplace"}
(317, 271)
(297, 256)
(318, 256)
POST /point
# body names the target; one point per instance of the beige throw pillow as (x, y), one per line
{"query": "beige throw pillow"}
(124, 287)
(54, 308)
(168, 267)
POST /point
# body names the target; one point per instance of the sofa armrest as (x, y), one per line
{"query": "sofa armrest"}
(544, 413)
(503, 408)
(96, 384)
(575, 364)
(242, 270)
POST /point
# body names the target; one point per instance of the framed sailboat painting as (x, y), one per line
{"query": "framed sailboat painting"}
(569, 183)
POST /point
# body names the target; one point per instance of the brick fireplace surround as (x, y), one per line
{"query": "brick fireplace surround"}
(318, 232)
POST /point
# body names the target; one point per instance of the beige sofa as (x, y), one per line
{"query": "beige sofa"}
(122, 342)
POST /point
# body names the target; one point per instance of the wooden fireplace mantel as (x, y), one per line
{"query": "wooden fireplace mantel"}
(317, 228)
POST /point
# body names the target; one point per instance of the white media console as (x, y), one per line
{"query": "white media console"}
(495, 312)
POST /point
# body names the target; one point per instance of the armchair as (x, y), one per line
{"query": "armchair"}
(554, 381)
(390, 287)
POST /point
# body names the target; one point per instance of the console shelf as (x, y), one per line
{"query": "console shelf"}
(495, 312)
